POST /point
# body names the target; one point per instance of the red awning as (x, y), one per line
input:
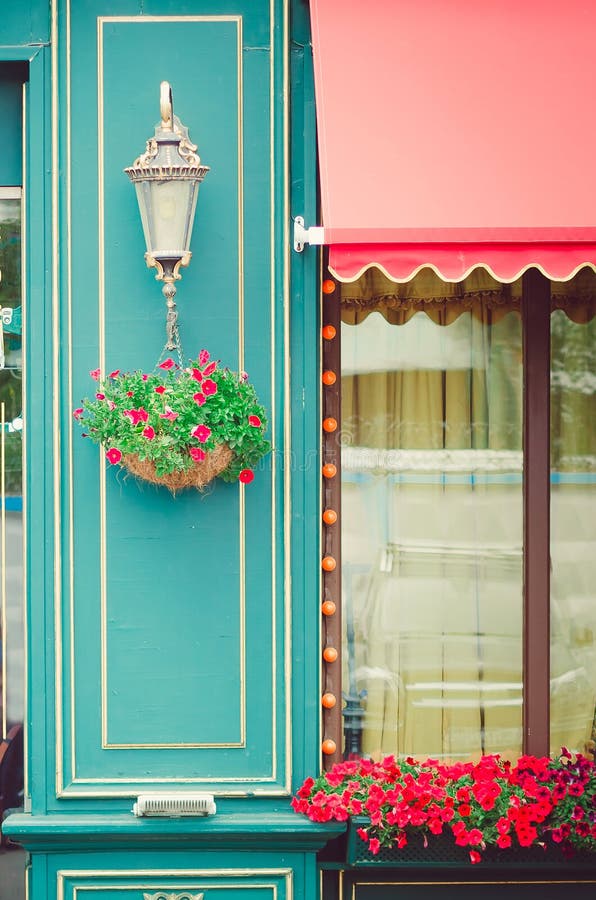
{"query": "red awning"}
(457, 133)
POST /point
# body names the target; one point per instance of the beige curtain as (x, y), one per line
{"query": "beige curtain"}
(432, 548)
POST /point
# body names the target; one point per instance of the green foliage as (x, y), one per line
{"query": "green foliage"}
(157, 415)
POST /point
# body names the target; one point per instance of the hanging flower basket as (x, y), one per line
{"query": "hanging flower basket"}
(491, 810)
(198, 475)
(178, 427)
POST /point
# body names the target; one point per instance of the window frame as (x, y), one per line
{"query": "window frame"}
(338, 723)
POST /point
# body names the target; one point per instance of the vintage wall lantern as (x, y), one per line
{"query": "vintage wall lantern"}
(167, 178)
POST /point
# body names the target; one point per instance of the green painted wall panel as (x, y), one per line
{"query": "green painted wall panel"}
(25, 22)
(171, 626)
(11, 103)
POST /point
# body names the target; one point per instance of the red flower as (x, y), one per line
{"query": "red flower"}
(167, 364)
(78, 413)
(374, 845)
(114, 455)
(95, 373)
(149, 432)
(129, 393)
(199, 398)
(254, 421)
(136, 415)
(197, 374)
(475, 856)
(209, 369)
(197, 454)
(246, 476)
(464, 809)
(201, 433)
(209, 387)
(203, 357)
(169, 414)
(160, 389)
(100, 396)
(504, 841)
(115, 373)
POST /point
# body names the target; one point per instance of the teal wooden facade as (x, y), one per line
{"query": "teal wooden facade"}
(173, 644)
(170, 642)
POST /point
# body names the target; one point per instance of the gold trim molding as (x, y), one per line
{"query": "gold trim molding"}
(65, 647)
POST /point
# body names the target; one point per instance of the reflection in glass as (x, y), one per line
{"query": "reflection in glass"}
(432, 524)
(573, 526)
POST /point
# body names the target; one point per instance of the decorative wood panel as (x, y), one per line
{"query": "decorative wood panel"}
(171, 657)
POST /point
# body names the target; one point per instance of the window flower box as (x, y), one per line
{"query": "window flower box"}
(402, 812)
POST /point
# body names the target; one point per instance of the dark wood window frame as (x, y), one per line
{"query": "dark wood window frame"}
(343, 724)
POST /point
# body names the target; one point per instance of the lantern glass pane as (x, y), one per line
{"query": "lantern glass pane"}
(166, 208)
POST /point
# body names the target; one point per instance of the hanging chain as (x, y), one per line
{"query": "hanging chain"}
(173, 342)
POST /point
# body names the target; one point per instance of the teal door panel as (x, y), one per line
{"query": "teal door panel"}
(171, 659)
(187, 883)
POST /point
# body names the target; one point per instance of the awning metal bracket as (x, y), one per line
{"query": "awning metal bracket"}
(315, 235)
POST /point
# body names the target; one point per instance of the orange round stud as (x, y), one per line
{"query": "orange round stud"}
(329, 377)
(328, 607)
(328, 747)
(330, 654)
(328, 563)
(328, 700)
(329, 424)
(328, 286)
(329, 332)
(329, 470)
(329, 517)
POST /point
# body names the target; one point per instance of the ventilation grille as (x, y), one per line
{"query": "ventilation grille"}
(174, 805)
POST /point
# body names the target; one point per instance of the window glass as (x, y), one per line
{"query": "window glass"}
(573, 525)
(432, 518)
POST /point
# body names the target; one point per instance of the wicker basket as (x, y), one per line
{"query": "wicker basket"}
(198, 476)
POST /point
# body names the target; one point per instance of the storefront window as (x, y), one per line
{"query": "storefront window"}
(432, 495)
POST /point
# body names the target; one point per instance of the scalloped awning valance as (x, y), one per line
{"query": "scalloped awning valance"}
(456, 134)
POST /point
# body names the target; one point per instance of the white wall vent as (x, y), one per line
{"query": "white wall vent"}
(174, 804)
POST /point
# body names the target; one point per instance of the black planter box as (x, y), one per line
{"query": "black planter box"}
(443, 851)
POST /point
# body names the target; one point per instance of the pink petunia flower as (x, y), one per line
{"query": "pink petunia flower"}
(111, 404)
(95, 373)
(160, 389)
(167, 363)
(199, 398)
(201, 432)
(197, 374)
(78, 413)
(169, 414)
(100, 396)
(254, 421)
(374, 845)
(197, 454)
(203, 357)
(115, 373)
(149, 432)
(243, 376)
(208, 370)
(209, 387)
(475, 856)
(114, 455)
(136, 415)
(246, 476)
